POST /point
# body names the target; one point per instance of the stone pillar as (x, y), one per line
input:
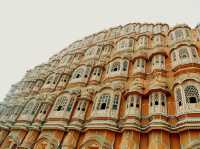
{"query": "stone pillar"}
(130, 140)
(71, 139)
(159, 139)
(3, 135)
(30, 138)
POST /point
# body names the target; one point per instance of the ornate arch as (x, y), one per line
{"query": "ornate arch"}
(186, 77)
(45, 141)
(99, 141)
(195, 144)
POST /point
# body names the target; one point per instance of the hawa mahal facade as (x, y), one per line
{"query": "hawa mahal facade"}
(129, 87)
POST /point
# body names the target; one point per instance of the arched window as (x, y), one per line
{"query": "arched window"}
(69, 107)
(17, 110)
(134, 101)
(179, 97)
(124, 43)
(191, 94)
(125, 66)
(39, 83)
(60, 103)
(103, 102)
(115, 67)
(81, 105)
(87, 72)
(156, 99)
(139, 63)
(106, 50)
(108, 67)
(97, 71)
(27, 108)
(49, 79)
(56, 78)
(158, 62)
(174, 56)
(43, 108)
(78, 73)
(65, 60)
(137, 102)
(35, 108)
(183, 53)
(63, 78)
(163, 99)
(194, 52)
(142, 42)
(158, 40)
(179, 34)
(115, 102)
(131, 104)
(89, 52)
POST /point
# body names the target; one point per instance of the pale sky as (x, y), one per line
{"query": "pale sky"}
(33, 30)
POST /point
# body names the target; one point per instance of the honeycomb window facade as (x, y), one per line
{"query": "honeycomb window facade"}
(132, 86)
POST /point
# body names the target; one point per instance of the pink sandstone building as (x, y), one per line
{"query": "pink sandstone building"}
(129, 87)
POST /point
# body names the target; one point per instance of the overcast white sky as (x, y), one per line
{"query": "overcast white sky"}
(32, 31)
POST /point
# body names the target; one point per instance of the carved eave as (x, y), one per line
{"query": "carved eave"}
(183, 43)
(48, 97)
(2, 126)
(127, 52)
(20, 127)
(137, 86)
(159, 50)
(53, 127)
(139, 54)
(158, 84)
(130, 124)
(184, 77)
(87, 93)
(73, 91)
(63, 70)
(76, 125)
(178, 26)
(101, 124)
